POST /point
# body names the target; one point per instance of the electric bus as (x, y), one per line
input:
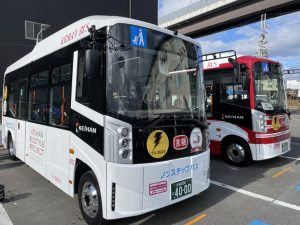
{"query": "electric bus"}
(111, 109)
(246, 107)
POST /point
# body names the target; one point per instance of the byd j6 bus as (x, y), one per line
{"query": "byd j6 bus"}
(246, 107)
(112, 109)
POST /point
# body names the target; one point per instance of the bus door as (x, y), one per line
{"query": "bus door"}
(21, 124)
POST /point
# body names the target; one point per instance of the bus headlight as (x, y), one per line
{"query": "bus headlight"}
(123, 142)
(123, 131)
(259, 121)
(124, 153)
(263, 122)
(125, 145)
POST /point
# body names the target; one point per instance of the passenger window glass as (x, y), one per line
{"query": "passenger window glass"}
(22, 103)
(12, 100)
(38, 109)
(60, 97)
(55, 75)
(34, 81)
(43, 78)
(38, 97)
(232, 92)
(209, 97)
(65, 72)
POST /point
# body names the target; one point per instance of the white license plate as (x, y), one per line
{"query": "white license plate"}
(284, 146)
(181, 188)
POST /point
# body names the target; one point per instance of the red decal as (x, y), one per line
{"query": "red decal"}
(157, 188)
(180, 142)
(75, 33)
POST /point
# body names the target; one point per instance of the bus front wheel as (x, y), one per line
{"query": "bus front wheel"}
(237, 152)
(89, 199)
(10, 148)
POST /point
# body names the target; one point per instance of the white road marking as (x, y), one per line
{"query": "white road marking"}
(4, 217)
(288, 157)
(258, 196)
(233, 168)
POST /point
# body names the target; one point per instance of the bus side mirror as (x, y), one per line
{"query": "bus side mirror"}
(245, 82)
(92, 62)
(236, 68)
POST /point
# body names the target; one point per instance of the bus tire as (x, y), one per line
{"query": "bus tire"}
(237, 152)
(10, 148)
(89, 199)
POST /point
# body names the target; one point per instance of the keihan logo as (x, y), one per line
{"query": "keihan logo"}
(92, 130)
(224, 116)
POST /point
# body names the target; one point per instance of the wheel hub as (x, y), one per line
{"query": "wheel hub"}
(236, 152)
(89, 199)
(11, 148)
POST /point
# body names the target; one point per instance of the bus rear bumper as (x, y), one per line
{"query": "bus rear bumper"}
(141, 188)
(268, 151)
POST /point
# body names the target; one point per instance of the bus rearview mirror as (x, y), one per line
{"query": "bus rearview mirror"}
(92, 62)
(245, 82)
(236, 68)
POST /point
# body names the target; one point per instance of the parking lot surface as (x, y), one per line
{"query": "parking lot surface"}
(266, 192)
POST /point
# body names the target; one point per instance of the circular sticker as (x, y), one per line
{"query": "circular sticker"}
(196, 140)
(158, 144)
(275, 123)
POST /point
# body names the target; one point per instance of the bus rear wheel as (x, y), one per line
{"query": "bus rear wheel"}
(10, 148)
(237, 152)
(89, 199)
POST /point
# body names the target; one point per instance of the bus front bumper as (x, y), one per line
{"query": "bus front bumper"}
(139, 188)
(271, 150)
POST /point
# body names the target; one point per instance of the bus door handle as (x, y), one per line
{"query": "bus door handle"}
(18, 125)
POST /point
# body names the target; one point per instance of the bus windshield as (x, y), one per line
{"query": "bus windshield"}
(269, 87)
(152, 74)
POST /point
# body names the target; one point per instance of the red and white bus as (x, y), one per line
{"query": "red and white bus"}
(246, 107)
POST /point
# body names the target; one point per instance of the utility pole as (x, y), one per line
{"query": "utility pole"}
(262, 51)
(129, 10)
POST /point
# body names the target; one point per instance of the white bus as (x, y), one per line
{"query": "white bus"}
(111, 109)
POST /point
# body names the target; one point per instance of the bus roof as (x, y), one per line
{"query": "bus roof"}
(224, 64)
(76, 32)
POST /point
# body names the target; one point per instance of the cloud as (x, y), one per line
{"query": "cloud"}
(283, 36)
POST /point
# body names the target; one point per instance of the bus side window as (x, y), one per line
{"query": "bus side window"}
(38, 95)
(209, 97)
(12, 99)
(60, 96)
(234, 94)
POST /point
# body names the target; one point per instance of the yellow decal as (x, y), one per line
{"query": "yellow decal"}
(275, 123)
(158, 144)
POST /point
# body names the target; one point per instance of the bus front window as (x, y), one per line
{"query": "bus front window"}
(269, 87)
(162, 77)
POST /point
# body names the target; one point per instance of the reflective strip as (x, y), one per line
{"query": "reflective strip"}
(273, 134)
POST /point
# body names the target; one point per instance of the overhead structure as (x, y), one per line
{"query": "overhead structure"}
(206, 17)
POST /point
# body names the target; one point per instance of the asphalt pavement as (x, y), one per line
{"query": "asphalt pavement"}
(265, 193)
